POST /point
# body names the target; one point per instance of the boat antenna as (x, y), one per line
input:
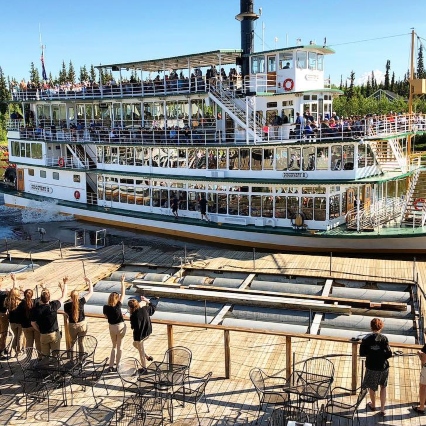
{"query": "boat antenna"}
(246, 17)
(410, 96)
(42, 47)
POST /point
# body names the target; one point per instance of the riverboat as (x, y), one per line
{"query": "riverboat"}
(254, 133)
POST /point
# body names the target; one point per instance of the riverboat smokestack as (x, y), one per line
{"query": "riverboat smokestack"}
(246, 17)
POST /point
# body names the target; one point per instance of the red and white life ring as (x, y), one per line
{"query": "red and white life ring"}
(419, 203)
(77, 195)
(288, 84)
(61, 162)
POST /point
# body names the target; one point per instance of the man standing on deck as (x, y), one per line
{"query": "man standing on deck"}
(175, 206)
(203, 208)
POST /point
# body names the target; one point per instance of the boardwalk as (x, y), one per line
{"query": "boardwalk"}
(232, 401)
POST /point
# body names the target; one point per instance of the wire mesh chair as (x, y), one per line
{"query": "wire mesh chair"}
(193, 391)
(281, 416)
(269, 388)
(87, 345)
(129, 414)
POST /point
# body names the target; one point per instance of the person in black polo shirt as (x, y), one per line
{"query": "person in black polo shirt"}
(45, 319)
(75, 311)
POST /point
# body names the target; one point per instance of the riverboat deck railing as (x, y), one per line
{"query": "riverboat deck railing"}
(205, 132)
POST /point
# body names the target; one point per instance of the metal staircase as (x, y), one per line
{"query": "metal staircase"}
(242, 112)
(414, 213)
(389, 155)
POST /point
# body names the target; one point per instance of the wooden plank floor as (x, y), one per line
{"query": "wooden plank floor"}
(232, 401)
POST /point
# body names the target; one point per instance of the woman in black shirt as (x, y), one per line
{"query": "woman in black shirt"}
(12, 302)
(75, 311)
(117, 327)
(140, 321)
(32, 336)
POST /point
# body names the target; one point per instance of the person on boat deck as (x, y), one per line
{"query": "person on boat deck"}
(375, 347)
(420, 408)
(203, 208)
(308, 116)
(175, 206)
(300, 124)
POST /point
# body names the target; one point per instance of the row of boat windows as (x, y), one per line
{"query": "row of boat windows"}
(335, 157)
(234, 204)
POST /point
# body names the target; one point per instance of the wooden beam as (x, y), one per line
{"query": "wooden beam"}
(354, 367)
(288, 356)
(227, 346)
(327, 287)
(275, 301)
(220, 315)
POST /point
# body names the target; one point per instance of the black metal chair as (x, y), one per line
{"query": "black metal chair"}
(86, 345)
(281, 416)
(89, 375)
(129, 414)
(269, 388)
(342, 405)
(192, 391)
(129, 371)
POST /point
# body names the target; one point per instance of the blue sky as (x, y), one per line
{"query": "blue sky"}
(92, 32)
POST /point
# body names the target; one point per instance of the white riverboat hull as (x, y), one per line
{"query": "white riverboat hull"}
(406, 241)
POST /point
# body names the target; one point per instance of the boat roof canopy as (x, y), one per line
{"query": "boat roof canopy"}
(206, 59)
(325, 50)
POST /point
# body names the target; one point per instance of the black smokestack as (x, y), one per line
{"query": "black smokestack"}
(246, 17)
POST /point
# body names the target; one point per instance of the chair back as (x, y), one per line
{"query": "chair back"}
(86, 344)
(129, 414)
(28, 357)
(282, 415)
(257, 377)
(320, 366)
(178, 355)
(201, 385)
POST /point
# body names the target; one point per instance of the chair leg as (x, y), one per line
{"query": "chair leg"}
(105, 386)
(196, 412)
(94, 397)
(205, 400)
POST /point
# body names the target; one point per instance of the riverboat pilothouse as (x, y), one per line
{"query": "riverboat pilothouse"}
(254, 133)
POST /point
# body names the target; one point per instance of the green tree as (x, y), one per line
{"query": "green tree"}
(420, 64)
(4, 93)
(92, 74)
(392, 83)
(71, 73)
(34, 74)
(84, 75)
(387, 78)
(350, 89)
(63, 75)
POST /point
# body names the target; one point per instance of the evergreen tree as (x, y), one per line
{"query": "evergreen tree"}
(71, 73)
(368, 91)
(4, 93)
(392, 83)
(350, 91)
(373, 82)
(420, 64)
(92, 74)
(63, 75)
(34, 74)
(84, 75)
(387, 84)
(341, 82)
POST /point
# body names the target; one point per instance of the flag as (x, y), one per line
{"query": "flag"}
(43, 69)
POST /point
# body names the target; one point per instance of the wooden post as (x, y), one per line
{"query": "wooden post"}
(288, 356)
(227, 340)
(170, 341)
(68, 342)
(60, 248)
(354, 367)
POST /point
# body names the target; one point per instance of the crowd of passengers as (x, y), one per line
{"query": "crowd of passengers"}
(305, 127)
(172, 80)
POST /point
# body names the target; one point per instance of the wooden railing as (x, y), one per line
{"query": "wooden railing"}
(289, 337)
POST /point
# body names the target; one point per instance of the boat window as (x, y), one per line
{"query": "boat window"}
(308, 158)
(361, 155)
(55, 175)
(286, 60)
(281, 159)
(261, 189)
(99, 154)
(221, 203)
(271, 104)
(334, 207)
(138, 156)
(155, 197)
(320, 62)
(268, 159)
(280, 207)
(370, 156)
(36, 151)
(233, 204)
(292, 207)
(320, 205)
(301, 59)
(42, 173)
(288, 115)
(336, 157)
(15, 149)
(233, 155)
(308, 207)
(123, 194)
(244, 159)
(267, 206)
(256, 159)
(76, 178)
(322, 158)
(146, 157)
(348, 157)
(30, 172)
(270, 115)
(212, 160)
(27, 150)
(243, 205)
(272, 63)
(257, 64)
(343, 203)
(312, 58)
(256, 207)
(294, 159)
(222, 164)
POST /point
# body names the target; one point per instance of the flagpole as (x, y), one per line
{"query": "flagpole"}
(43, 69)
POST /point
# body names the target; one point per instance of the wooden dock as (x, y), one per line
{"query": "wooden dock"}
(232, 401)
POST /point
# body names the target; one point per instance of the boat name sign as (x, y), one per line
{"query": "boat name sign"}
(41, 188)
(295, 175)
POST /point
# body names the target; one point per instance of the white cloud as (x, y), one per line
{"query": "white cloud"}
(378, 75)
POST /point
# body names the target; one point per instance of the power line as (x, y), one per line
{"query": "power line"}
(370, 39)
